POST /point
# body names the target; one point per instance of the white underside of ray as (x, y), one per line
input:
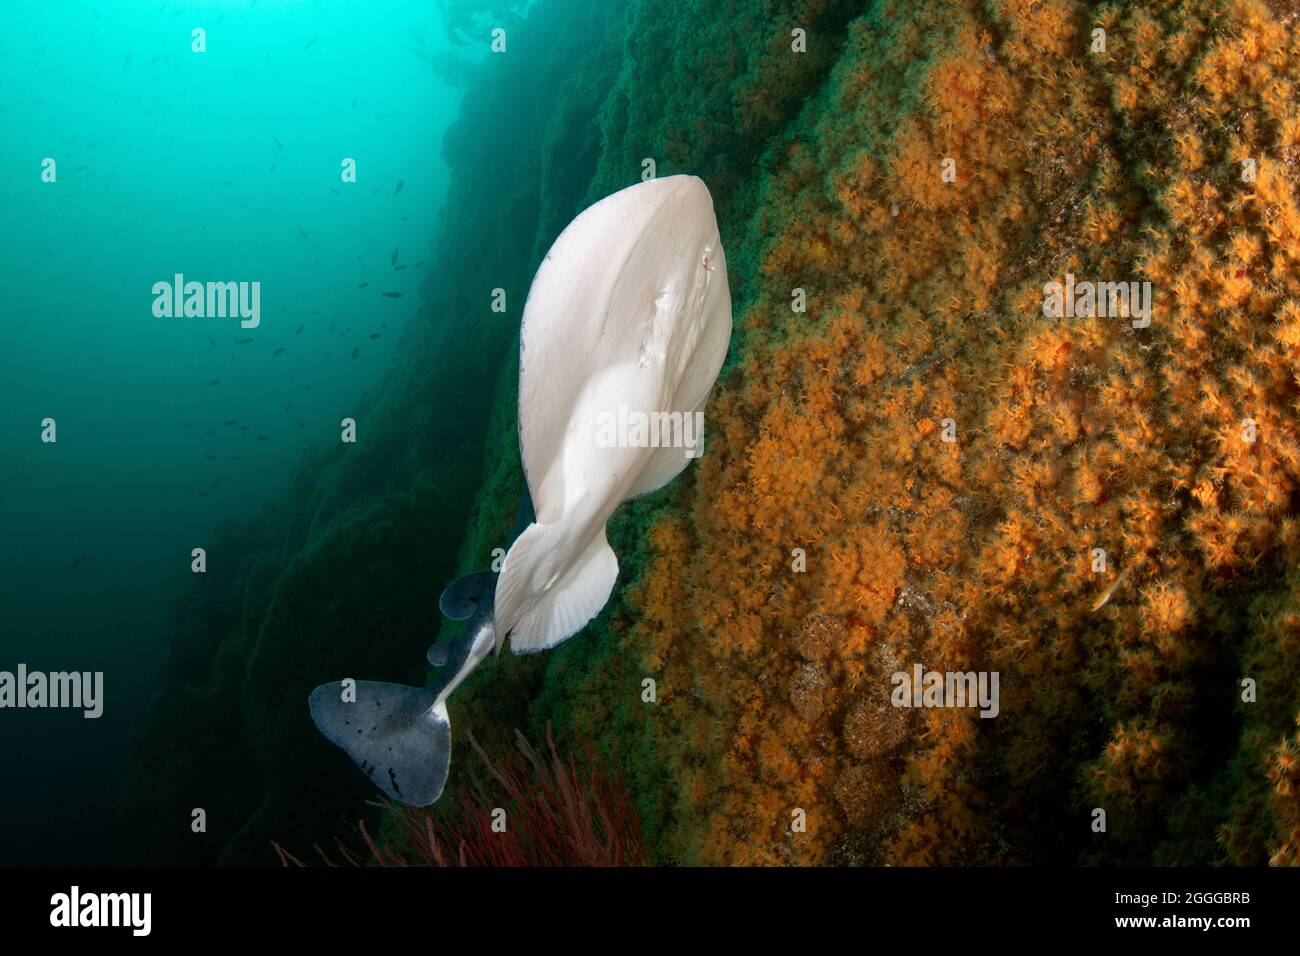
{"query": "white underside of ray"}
(630, 308)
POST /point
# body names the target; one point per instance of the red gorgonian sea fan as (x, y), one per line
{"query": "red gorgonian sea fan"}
(557, 813)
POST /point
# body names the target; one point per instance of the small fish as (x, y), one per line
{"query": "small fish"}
(244, 341)
(356, 351)
(211, 341)
(394, 256)
(299, 332)
(210, 457)
(399, 268)
(393, 295)
(277, 142)
(307, 45)
(1107, 594)
(77, 562)
(373, 336)
(304, 233)
(363, 285)
(400, 184)
(230, 421)
(215, 381)
(278, 351)
(262, 438)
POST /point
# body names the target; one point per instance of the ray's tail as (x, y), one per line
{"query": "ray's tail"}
(397, 735)
(400, 736)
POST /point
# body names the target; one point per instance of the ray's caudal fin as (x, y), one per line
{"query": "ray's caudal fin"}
(396, 734)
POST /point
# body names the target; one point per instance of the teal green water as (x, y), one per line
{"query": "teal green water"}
(223, 165)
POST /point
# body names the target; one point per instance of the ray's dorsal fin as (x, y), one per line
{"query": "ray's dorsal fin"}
(439, 653)
(461, 598)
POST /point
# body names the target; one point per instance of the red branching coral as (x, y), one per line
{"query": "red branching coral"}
(536, 810)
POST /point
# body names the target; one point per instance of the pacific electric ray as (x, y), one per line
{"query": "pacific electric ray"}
(629, 309)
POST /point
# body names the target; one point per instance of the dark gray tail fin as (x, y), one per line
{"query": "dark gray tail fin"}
(398, 738)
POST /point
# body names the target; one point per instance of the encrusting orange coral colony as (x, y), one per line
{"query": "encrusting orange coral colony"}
(1172, 447)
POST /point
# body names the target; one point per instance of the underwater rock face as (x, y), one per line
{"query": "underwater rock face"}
(923, 319)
